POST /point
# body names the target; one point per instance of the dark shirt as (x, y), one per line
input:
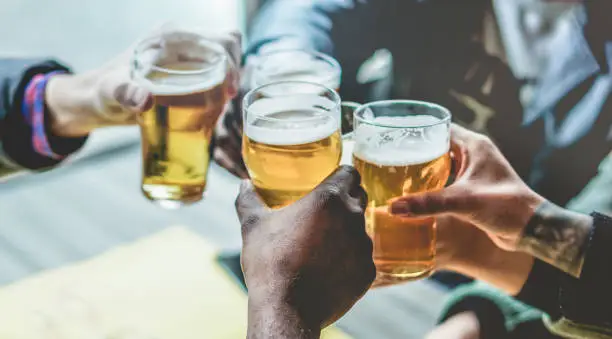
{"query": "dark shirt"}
(577, 306)
(555, 144)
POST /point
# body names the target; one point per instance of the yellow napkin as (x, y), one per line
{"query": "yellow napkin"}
(167, 286)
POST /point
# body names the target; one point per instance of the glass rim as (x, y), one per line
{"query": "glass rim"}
(447, 118)
(220, 60)
(337, 102)
(326, 57)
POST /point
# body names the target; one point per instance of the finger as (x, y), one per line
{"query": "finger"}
(233, 83)
(142, 99)
(228, 145)
(232, 122)
(459, 159)
(363, 243)
(462, 134)
(355, 223)
(452, 200)
(344, 180)
(359, 199)
(231, 166)
(237, 46)
(470, 142)
(132, 97)
(224, 137)
(234, 47)
(231, 42)
(232, 150)
(249, 205)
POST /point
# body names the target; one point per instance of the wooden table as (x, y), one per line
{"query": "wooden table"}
(167, 285)
(59, 217)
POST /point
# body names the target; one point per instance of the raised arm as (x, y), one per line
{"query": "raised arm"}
(305, 265)
(573, 288)
(22, 84)
(348, 30)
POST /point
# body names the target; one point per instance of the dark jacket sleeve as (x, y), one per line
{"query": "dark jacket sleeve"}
(580, 308)
(349, 30)
(16, 149)
(306, 24)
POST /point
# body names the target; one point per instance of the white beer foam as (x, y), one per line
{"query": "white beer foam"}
(185, 83)
(413, 145)
(293, 120)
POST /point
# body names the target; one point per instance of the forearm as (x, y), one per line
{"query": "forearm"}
(276, 320)
(505, 270)
(64, 97)
(558, 237)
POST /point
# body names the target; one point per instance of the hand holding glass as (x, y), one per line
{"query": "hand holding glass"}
(291, 139)
(187, 75)
(401, 148)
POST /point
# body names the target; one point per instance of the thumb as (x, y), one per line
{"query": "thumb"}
(137, 98)
(249, 205)
(452, 200)
(344, 180)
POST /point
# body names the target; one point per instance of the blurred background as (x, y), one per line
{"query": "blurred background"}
(93, 203)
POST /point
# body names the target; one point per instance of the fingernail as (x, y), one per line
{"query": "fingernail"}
(399, 207)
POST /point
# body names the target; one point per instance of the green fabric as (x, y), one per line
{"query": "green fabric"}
(514, 311)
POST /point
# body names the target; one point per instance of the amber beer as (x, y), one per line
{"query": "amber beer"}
(403, 248)
(395, 162)
(176, 131)
(292, 142)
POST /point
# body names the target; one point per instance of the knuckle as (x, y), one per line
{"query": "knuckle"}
(331, 194)
(239, 203)
(423, 204)
(352, 171)
(247, 224)
(483, 142)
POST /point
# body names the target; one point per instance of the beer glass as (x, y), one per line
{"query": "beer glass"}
(187, 75)
(401, 148)
(291, 140)
(296, 65)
